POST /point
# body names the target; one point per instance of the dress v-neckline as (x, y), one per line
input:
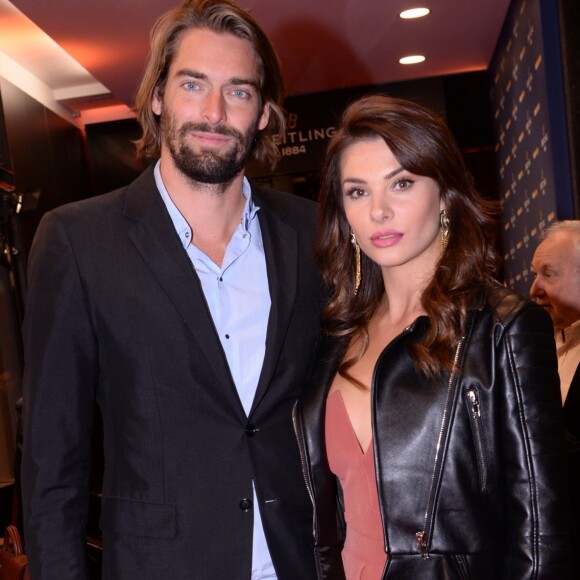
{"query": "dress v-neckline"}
(354, 435)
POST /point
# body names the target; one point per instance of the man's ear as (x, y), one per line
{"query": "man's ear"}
(264, 117)
(156, 102)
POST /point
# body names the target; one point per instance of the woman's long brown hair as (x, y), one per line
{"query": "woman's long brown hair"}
(423, 145)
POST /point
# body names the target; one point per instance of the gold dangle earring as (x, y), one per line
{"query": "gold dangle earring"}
(357, 275)
(444, 234)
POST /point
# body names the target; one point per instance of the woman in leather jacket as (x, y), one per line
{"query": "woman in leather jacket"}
(444, 378)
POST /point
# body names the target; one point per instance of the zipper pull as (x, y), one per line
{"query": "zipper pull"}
(422, 543)
(474, 402)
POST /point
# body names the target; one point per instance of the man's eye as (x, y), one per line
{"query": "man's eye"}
(241, 94)
(190, 85)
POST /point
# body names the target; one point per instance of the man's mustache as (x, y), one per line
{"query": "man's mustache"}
(207, 128)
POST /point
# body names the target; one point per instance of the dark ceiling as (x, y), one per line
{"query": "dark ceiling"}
(323, 44)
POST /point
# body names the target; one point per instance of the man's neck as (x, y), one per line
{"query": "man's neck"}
(213, 211)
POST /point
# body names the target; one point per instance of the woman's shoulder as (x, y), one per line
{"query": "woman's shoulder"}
(508, 306)
(506, 303)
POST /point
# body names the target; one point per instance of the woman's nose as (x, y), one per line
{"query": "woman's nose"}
(380, 210)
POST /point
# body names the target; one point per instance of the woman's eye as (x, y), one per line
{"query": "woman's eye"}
(402, 184)
(355, 192)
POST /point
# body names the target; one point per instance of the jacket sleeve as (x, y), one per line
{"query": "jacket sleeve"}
(320, 484)
(534, 451)
(59, 382)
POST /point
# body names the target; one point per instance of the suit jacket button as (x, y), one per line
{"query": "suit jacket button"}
(251, 430)
(246, 504)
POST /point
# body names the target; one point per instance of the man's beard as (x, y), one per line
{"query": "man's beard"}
(208, 166)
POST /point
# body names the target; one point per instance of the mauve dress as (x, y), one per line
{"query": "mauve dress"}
(363, 554)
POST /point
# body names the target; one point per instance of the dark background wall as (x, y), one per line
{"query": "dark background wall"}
(112, 154)
(531, 133)
(569, 29)
(43, 157)
(48, 156)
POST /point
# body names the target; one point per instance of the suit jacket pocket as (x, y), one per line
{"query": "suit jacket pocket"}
(138, 518)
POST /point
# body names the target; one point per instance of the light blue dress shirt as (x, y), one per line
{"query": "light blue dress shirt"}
(238, 298)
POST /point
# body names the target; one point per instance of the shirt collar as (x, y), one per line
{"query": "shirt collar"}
(179, 222)
(570, 335)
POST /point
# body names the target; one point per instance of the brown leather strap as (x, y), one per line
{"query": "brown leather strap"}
(12, 542)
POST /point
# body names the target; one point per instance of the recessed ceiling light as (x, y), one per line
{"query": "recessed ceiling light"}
(414, 13)
(414, 59)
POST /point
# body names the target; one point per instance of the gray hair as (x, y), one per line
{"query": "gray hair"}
(568, 227)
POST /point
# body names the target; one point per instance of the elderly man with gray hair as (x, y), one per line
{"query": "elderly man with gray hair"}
(556, 266)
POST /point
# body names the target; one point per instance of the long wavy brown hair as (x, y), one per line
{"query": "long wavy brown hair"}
(422, 144)
(221, 16)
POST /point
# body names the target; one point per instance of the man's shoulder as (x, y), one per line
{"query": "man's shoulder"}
(105, 203)
(97, 203)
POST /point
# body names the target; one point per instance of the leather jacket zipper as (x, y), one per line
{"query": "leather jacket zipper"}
(304, 464)
(307, 481)
(479, 440)
(421, 536)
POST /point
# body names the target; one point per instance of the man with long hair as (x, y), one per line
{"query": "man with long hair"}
(186, 306)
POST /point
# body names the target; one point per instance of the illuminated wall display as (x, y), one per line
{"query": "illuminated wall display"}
(528, 138)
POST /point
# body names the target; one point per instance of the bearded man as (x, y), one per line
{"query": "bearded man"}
(186, 305)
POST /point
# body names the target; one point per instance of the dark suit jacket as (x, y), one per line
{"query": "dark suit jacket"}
(116, 313)
(572, 420)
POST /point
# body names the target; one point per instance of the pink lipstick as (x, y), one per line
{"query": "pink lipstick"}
(386, 239)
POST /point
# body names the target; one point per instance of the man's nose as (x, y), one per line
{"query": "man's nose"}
(214, 108)
(536, 289)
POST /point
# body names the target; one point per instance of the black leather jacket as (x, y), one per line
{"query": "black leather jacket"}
(470, 468)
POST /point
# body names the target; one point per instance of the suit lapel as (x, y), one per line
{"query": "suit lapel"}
(572, 405)
(155, 238)
(281, 249)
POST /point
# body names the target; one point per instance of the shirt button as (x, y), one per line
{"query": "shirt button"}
(251, 430)
(246, 504)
